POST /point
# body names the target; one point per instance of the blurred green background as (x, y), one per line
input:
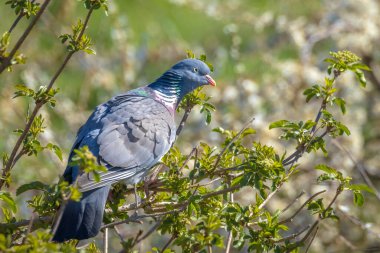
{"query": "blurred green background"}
(265, 52)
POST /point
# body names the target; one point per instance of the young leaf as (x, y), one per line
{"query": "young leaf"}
(36, 185)
(6, 197)
(358, 198)
(277, 124)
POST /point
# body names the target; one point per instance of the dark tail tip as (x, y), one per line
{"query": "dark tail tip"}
(82, 220)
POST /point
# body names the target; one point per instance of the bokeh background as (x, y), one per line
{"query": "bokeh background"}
(265, 53)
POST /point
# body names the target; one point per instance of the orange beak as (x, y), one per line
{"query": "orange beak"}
(210, 80)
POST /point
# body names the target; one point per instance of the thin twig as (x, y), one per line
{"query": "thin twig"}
(184, 118)
(362, 170)
(232, 141)
(323, 107)
(230, 236)
(293, 158)
(117, 231)
(301, 207)
(7, 61)
(337, 193)
(19, 17)
(10, 163)
(137, 218)
(150, 231)
(294, 201)
(307, 234)
(312, 239)
(292, 236)
(188, 158)
(29, 227)
(168, 243)
(262, 205)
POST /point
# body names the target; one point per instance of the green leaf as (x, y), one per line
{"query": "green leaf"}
(55, 149)
(6, 197)
(36, 185)
(359, 65)
(190, 54)
(89, 51)
(326, 169)
(361, 187)
(331, 172)
(309, 124)
(75, 193)
(361, 78)
(277, 124)
(341, 103)
(358, 198)
(343, 128)
(316, 206)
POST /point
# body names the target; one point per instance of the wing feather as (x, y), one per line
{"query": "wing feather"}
(128, 135)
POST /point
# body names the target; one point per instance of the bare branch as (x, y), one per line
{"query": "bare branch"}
(150, 231)
(294, 201)
(293, 236)
(302, 241)
(337, 193)
(301, 207)
(312, 239)
(168, 243)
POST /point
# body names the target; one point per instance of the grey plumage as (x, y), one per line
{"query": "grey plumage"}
(128, 134)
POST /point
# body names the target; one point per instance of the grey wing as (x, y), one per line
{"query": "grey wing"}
(133, 137)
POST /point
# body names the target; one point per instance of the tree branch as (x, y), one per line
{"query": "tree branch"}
(360, 167)
(301, 207)
(294, 201)
(6, 62)
(19, 17)
(184, 118)
(10, 163)
(232, 141)
(168, 243)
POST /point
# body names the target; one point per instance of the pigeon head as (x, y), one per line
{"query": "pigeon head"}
(182, 78)
(194, 73)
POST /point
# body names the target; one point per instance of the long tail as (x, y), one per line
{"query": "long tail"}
(82, 220)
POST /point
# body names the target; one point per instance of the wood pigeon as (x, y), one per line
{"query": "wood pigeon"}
(128, 135)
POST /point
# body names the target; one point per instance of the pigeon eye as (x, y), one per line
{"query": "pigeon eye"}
(195, 70)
